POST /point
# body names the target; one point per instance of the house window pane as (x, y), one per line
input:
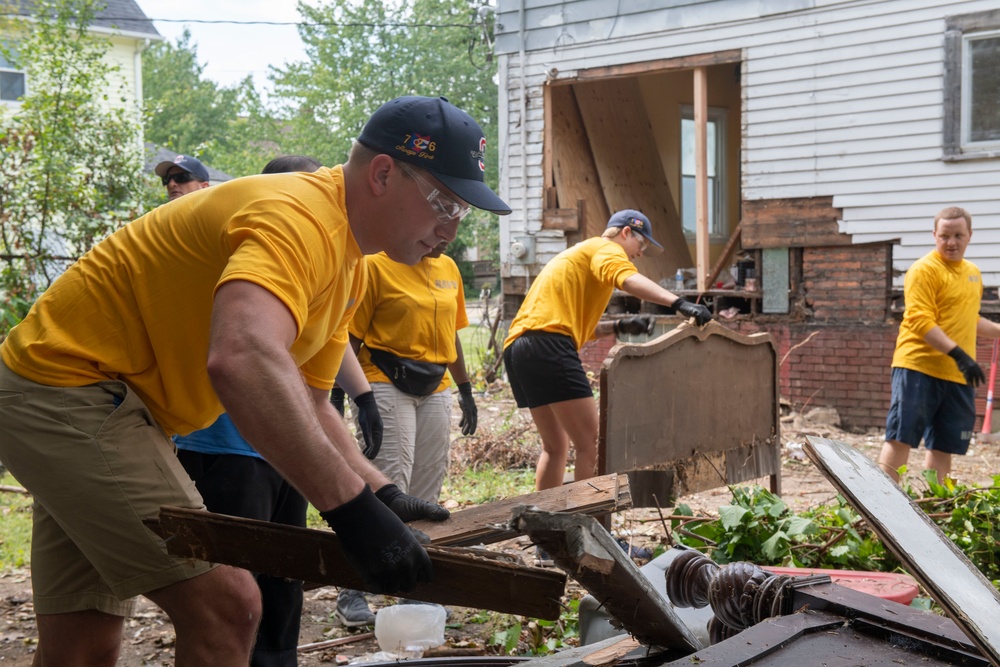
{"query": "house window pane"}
(11, 86)
(984, 98)
(688, 205)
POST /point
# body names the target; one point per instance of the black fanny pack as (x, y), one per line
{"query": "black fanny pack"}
(417, 378)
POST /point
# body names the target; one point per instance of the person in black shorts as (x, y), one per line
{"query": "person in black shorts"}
(561, 311)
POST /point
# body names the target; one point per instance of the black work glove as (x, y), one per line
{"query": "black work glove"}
(337, 398)
(371, 423)
(410, 508)
(970, 369)
(634, 324)
(699, 312)
(470, 413)
(380, 547)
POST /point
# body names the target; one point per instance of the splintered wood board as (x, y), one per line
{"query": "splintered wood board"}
(934, 560)
(584, 548)
(490, 522)
(461, 577)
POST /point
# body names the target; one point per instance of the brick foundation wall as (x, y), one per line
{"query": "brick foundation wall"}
(836, 350)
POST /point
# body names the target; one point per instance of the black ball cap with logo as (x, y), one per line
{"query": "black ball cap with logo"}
(434, 134)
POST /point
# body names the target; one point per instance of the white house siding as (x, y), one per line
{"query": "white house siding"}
(841, 99)
(123, 55)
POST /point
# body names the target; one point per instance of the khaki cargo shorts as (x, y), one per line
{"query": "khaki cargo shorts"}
(97, 464)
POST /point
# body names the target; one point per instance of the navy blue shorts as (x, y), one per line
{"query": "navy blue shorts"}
(545, 368)
(940, 412)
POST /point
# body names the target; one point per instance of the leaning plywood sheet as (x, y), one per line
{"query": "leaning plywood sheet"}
(582, 547)
(490, 522)
(701, 402)
(461, 577)
(954, 582)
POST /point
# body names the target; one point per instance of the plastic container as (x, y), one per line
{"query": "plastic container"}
(679, 280)
(410, 628)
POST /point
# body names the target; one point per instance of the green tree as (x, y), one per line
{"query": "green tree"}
(228, 128)
(363, 54)
(70, 155)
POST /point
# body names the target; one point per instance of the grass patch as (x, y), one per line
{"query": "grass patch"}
(487, 484)
(15, 527)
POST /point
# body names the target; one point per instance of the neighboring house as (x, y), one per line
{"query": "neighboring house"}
(154, 155)
(835, 129)
(121, 20)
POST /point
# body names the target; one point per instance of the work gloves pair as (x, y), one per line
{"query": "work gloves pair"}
(470, 414)
(972, 371)
(381, 547)
(368, 417)
(643, 324)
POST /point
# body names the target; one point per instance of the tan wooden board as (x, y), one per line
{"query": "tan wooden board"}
(490, 522)
(926, 552)
(628, 165)
(461, 577)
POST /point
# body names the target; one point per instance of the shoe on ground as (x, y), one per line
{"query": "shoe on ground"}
(352, 609)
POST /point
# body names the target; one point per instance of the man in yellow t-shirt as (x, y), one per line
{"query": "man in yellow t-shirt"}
(934, 370)
(234, 298)
(405, 333)
(561, 312)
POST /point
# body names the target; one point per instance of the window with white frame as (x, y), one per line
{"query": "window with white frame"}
(972, 86)
(715, 131)
(981, 90)
(12, 81)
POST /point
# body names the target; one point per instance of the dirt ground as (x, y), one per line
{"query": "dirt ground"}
(149, 636)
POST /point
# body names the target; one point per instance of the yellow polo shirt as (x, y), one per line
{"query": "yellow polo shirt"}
(138, 306)
(411, 311)
(938, 293)
(572, 291)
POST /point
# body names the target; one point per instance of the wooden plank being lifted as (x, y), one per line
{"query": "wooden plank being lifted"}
(485, 524)
(461, 577)
(952, 580)
(581, 546)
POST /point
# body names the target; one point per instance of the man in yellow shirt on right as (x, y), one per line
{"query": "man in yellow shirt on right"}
(934, 370)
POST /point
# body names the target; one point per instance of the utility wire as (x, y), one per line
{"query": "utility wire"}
(298, 23)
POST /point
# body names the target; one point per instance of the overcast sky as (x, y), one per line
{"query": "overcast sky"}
(231, 52)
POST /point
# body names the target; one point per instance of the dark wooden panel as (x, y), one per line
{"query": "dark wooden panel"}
(701, 402)
(629, 167)
(461, 576)
(791, 223)
(926, 552)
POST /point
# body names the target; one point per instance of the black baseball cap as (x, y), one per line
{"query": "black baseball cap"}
(192, 165)
(635, 221)
(434, 134)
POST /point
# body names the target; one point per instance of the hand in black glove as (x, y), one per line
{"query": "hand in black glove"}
(970, 369)
(635, 325)
(410, 508)
(470, 414)
(380, 547)
(337, 398)
(371, 423)
(699, 312)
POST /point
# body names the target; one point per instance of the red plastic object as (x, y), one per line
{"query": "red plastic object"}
(901, 588)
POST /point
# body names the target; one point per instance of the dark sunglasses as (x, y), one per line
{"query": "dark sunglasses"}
(179, 179)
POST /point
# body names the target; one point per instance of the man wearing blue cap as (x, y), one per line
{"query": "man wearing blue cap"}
(561, 312)
(182, 175)
(237, 300)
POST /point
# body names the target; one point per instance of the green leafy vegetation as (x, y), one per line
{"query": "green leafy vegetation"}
(759, 527)
(15, 526)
